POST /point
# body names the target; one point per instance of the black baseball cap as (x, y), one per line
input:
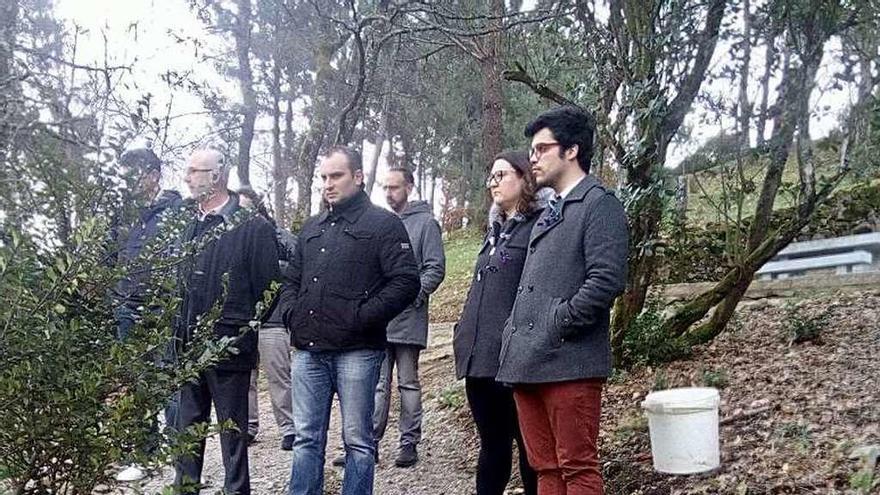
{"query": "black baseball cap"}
(142, 159)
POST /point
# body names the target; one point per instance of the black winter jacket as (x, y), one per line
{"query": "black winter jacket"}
(353, 271)
(242, 245)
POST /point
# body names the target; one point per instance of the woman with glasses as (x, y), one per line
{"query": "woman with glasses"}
(477, 341)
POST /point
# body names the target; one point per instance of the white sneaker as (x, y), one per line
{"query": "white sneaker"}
(133, 472)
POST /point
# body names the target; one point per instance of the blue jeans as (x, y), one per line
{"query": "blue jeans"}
(352, 375)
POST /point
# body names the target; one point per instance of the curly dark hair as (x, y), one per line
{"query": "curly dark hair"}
(570, 126)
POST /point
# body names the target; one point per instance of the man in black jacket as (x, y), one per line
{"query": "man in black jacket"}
(353, 272)
(235, 262)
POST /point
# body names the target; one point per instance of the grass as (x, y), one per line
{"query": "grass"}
(461, 251)
(707, 189)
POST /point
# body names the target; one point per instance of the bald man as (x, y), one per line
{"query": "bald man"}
(237, 245)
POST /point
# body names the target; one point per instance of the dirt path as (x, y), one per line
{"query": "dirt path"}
(793, 414)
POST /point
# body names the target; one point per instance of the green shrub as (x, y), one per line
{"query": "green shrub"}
(75, 400)
(796, 433)
(715, 379)
(801, 327)
(452, 397)
(645, 343)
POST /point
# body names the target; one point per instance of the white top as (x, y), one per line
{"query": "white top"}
(214, 211)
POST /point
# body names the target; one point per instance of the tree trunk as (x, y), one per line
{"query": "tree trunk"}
(769, 62)
(242, 35)
(492, 139)
(318, 127)
(279, 170)
(745, 108)
(796, 86)
(379, 141)
(373, 169)
(432, 188)
(8, 35)
(288, 158)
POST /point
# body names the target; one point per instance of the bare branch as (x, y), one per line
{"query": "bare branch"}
(520, 75)
(679, 106)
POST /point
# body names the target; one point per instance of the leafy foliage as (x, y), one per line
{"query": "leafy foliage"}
(646, 343)
(75, 399)
(801, 326)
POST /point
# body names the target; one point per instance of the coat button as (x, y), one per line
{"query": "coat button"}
(314, 279)
(519, 289)
(311, 311)
(323, 250)
(531, 324)
(566, 321)
(311, 344)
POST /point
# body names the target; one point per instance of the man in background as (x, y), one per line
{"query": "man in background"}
(408, 332)
(142, 171)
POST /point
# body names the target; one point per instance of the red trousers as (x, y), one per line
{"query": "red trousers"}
(560, 429)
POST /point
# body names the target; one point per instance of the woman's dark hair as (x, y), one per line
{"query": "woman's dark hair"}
(570, 126)
(519, 160)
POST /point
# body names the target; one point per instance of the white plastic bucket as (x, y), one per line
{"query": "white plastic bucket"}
(684, 429)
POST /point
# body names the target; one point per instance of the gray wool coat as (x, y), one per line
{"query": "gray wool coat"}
(411, 326)
(575, 267)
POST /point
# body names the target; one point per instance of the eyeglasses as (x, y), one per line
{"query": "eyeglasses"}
(539, 149)
(495, 178)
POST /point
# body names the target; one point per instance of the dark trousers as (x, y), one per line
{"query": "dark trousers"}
(229, 392)
(560, 427)
(494, 412)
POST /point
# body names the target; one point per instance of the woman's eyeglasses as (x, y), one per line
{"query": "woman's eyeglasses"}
(495, 178)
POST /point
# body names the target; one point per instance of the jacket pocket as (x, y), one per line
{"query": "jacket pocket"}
(356, 245)
(340, 307)
(554, 330)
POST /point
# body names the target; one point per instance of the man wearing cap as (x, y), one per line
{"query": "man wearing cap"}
(234, 264)
(142, 170)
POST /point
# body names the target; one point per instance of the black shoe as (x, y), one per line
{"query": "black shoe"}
(407, 456)
(287, 442)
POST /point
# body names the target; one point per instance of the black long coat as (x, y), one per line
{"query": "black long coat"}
(477, 340)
